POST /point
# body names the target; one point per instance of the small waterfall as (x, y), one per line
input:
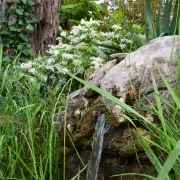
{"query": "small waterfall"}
(97, 146)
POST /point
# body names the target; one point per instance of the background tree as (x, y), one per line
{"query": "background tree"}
(45, 31)
(25, 22)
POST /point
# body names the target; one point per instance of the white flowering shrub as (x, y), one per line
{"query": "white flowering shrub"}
(84, 47)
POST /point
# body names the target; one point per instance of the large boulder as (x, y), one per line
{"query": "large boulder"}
(129, 78)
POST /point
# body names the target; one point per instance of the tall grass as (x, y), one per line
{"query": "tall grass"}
(29, 143)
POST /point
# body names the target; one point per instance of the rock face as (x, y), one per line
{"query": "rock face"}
(129, 78)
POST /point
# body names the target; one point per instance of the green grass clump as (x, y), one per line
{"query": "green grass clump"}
(29, 143)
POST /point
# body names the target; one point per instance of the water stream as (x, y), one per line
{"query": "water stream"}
(97, 145)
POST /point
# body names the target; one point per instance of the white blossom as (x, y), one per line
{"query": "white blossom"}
(61, 69)
(122, 46)
(49, 67)
(100, 52)
(90, 22)
(32, 71)
(75, 40)
(67, 56)
(77, 62)
(76, 29)
(33, 80)
(64, 62)
(50, 60)
(27, 65)
(94, 33)
(101, 1)
(63, 34)
(54, 52)
(142, 37)
(116, 27)
(83, 36)
(96, 62)
(108, 34)
(107, 42)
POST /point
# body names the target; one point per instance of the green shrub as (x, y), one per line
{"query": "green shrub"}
(167, 23)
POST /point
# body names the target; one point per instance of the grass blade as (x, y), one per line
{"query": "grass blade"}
(158, 27)
(24, 164)
(77, 176)
(166, 16)
(149, 20)
(135, 174)
(173, 156)
(135, 37)
(172, 92)
(159, 107)
(176, 16)
(150, 153)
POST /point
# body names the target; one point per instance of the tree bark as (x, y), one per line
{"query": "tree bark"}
(45, 31)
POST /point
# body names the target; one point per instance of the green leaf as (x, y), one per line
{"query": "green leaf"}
(25, 52)
(33, 20)
(30, 51)
(20, 47)
(29, 27)
(12, 28)
(10, 23)
(13, 1)
(158, 23)
(166, 16)
(31, 3)
(5, 32)
(27, 20)
(26, 14)
(20, 22)
(69, 6)
(20, 11)
(24, 1)
(176, 17)
(149, 20)
(135, 37)
(23, 37)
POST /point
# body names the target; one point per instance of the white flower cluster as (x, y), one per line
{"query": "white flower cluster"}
(90, 22)
(112, 5)
(84, 47)
(89, 33)
(39, 67)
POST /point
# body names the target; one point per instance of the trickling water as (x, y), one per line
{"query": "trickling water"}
(97, 145)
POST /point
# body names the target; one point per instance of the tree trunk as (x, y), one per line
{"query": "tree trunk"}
(45, 31)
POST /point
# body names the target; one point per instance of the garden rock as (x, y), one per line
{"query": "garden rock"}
(109, 166)
(128, 77)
